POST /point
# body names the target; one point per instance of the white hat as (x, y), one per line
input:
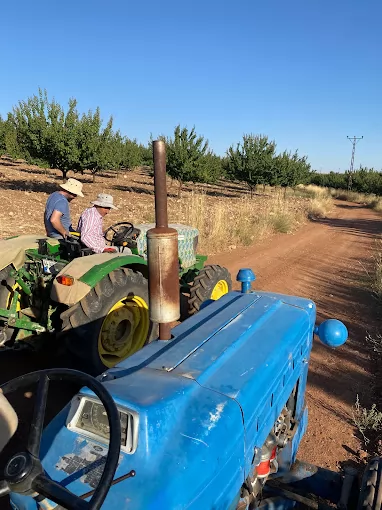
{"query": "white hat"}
(104, 200)
(73, 186)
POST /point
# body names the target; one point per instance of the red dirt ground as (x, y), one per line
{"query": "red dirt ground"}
(326, 261)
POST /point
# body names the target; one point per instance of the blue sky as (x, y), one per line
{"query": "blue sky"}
(305, 72)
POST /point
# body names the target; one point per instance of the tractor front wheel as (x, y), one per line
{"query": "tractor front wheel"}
(211, 283)
(111, 323)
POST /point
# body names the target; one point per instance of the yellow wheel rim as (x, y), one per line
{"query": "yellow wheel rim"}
(124, 330)
(15, 287)
(219, 290)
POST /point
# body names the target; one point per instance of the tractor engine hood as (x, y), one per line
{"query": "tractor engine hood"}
(241, 346)
(201, 403)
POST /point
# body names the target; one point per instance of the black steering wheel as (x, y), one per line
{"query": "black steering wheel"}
(120, 232)
(24, 473)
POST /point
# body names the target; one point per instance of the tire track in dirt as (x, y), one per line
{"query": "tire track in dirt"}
(326, 261)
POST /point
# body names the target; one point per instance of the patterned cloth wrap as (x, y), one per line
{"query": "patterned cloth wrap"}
(186, 236)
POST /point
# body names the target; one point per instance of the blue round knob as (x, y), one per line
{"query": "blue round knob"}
(245, 276)
(332, 332)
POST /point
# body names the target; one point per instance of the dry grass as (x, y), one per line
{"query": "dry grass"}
(313, 191)
(376, 276)
(370, 200)
(320, 207)
(238, 222)
(376, 204)
(224, 213)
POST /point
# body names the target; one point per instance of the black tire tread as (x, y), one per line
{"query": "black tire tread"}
(77, 320)
(371, 486)
(204, 283)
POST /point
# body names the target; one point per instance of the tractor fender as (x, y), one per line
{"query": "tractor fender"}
(12, 250)
(88, 271)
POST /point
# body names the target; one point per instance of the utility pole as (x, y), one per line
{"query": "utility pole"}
(354, 141)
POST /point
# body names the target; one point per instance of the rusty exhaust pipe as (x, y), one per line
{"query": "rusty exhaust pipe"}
(162, 251)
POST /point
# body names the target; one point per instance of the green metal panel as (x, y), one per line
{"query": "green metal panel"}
(96, 273)
(200, 260)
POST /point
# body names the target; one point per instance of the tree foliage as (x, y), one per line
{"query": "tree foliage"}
(44, 132)
(189, 158)
(251, 160)
(364, 180)
(254, 161)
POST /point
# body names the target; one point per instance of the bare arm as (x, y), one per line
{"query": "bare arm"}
(55, 220)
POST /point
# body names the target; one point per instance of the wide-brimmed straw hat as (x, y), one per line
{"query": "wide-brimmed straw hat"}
(104, 200)
(73, 186)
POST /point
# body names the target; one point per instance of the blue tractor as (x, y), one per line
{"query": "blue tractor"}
(208, 417)
(209, 420)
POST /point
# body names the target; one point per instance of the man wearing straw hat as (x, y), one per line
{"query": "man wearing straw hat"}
(90, 224)
(57, 214)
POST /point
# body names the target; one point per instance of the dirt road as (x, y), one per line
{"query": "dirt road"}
(326, 261)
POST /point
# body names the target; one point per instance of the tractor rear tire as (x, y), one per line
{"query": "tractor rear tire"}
(110, 323)
(371, 487)
(211, 283)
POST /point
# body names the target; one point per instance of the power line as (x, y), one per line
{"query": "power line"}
(354, 141)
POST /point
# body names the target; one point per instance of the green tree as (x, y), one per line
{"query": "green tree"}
(8, 138)
(49, 134)
(132, 154)
(61, 139)
(95, 143)
(30, 120)
(290, 170)
(189, 158)
(252, 160)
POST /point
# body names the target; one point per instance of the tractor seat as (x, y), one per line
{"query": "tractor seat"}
(73, 247)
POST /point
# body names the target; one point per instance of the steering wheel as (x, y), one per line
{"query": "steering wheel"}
(24, 473)
(120, 231)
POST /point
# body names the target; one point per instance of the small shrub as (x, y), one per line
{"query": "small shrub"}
(282, 222)
(367, 421)
(375, 343)
(320, 207)
(376, 204)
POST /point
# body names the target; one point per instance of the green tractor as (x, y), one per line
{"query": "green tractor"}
(60, 294)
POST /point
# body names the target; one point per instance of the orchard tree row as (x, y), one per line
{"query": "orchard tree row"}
(45, 133)
(363, 180)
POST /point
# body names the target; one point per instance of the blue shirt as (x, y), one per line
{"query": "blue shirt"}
(57, 202)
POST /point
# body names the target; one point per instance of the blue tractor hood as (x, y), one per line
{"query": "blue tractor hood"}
(241, 346)
(205, 400)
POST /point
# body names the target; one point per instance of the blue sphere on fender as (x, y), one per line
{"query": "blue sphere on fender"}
(332, 332)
